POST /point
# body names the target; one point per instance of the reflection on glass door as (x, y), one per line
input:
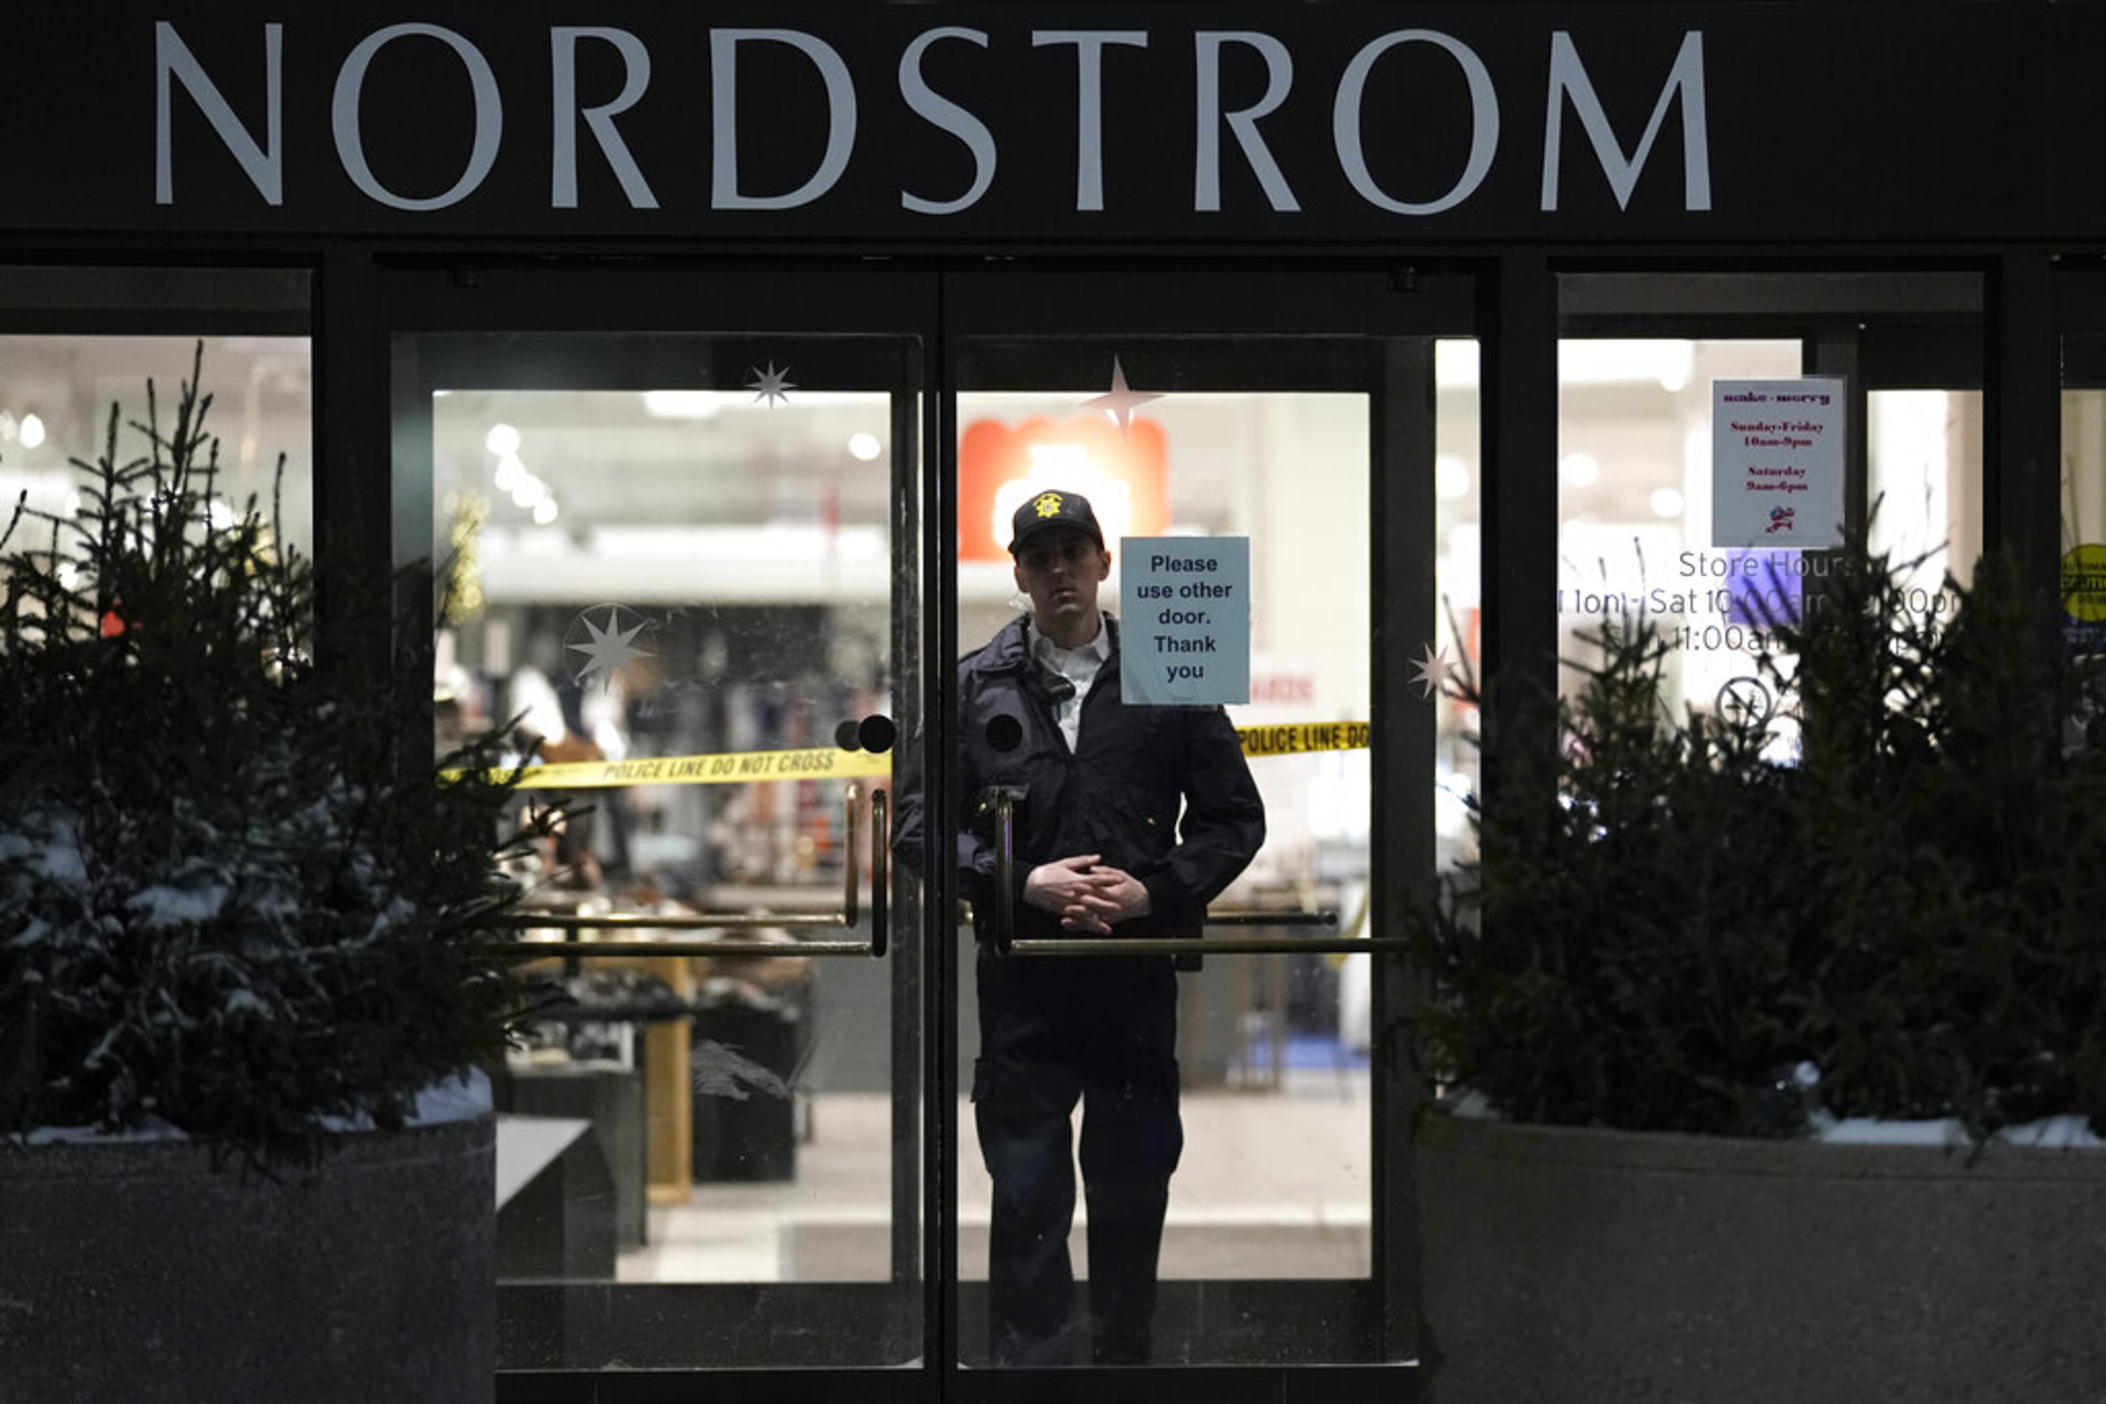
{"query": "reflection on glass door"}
(673, 567)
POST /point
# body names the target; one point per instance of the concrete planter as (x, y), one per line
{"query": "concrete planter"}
(1596, 1266)
(131, 1271)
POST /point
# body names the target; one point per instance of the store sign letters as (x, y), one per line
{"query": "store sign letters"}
(600, 98)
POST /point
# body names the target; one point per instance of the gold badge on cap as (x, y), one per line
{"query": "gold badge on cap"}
(1048, 504)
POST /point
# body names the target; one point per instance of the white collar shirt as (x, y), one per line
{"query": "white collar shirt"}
(1079, 666)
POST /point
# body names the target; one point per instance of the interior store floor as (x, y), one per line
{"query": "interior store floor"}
(1272, 1184)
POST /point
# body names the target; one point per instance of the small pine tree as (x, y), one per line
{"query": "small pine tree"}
(236, 895)
(1895, 878)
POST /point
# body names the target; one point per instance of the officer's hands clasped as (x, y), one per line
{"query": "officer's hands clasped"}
(1087, 894)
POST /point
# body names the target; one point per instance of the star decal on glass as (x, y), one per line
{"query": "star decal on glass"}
(1120, 401)
(1431, 670)
(770, 385)
(608, 647)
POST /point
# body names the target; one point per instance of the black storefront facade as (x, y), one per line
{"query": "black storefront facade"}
(931, 202)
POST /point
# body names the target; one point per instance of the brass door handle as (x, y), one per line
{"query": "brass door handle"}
(1006, 942)
(1005, 871)
(848, 916)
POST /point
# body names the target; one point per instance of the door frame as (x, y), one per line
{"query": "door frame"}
(1408, 309)
(520, 303)
(941, 305)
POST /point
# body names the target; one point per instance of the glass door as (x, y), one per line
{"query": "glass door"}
(1198, 734)
(677, 529)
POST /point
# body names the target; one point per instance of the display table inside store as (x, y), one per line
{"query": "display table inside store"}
(745, 1128)
(609, 1096)
(750, 1013)
(823, 895)
(662, 1052)
(751, 1020)
(1234, 1016)
(555, 1200)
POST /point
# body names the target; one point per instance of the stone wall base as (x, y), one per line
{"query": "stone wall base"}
(1601, 1267)
(133, 1272)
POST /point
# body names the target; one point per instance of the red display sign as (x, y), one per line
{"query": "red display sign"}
(1125, 477)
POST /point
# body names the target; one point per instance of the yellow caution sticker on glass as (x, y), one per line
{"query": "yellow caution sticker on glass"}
(2084, 583)
(831, 763)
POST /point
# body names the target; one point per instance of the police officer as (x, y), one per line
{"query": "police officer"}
(1128, 821)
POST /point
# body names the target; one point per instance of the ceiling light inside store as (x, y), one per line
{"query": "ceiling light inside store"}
(32, 431)
(1664, 362)
(502, 440)
(1451, 479)
(510, 473)
(545, 511)
(1667, 502)
(864, 447)
(530, 491)
(682, 404)
(1579, 469)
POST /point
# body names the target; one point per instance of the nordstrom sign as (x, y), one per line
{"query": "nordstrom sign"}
(878, 127)
(579, 98)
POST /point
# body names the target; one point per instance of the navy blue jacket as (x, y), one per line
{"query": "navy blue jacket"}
(1162, 792)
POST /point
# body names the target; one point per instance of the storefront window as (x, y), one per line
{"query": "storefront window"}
(1924, 466)
(1636, 487)
(1634, 500)
(57, 393)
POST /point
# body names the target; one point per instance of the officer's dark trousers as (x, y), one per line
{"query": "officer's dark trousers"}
(1054, 1032)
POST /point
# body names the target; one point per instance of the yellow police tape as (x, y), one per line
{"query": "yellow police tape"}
(1299, 738)
(733, 768)
(831, 763)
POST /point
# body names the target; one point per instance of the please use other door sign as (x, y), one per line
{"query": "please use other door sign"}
(1184, 620)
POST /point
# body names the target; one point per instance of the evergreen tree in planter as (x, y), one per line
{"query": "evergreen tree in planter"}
(1878, 901)
(1893, 877)
(236, 897)
(238, 902)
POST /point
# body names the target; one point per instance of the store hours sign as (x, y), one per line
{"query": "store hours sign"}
(1184, 634)
(1777, 463)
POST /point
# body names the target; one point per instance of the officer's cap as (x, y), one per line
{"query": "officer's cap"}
(1050, 509)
